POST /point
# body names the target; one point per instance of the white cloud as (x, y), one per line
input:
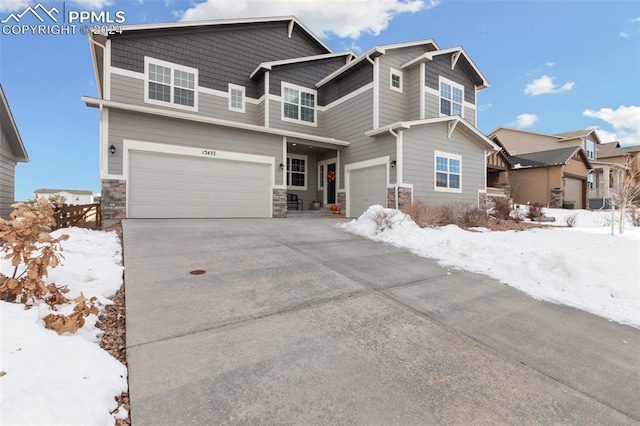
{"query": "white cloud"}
(550, 64)
(13, 5)
(484, 107)
(625, 121)
(624, 34)
(344, 18)
(526, 120)
(636, 19)
(168, 3)
(545, 85)
(604, 135)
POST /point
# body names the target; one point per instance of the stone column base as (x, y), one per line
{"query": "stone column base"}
(113, 201)
(280, 208)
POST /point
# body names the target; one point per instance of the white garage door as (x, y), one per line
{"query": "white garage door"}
(367, 186)
(573, 191)
(174, 186)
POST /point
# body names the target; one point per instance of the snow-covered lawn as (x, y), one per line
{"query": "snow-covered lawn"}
(63, 380)
(583, 266)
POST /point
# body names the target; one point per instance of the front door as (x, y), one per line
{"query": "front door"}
(327, 182)
(331, 183)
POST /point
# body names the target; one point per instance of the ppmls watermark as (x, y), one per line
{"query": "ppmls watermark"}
(52, 21)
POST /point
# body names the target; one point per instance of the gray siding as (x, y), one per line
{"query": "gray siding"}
(7, 175)
(470, 115)
(393, 105)
(131, 90)
(419, 146)
(147, 128)
(305, 74)
(312, 192)
(360, 75)
(441, 66)
(431, 106)
(349, 121)
(222, 54)
(276, 122)
(412, 86)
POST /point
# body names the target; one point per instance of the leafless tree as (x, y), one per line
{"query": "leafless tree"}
(626, 192)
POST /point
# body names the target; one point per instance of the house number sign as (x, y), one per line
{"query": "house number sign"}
(208, 153)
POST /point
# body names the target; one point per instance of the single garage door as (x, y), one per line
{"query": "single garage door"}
(367, 186)
(573, 190)
(174, 186)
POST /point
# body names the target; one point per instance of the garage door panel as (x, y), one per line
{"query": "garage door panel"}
(172, 186)
(367, 186)
(573, 190)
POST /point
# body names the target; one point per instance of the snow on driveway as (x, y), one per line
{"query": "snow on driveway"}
(584, 266)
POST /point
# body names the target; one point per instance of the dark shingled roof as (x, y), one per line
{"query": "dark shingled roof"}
(553, 157)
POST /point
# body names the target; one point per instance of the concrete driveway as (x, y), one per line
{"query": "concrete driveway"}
(296, 322)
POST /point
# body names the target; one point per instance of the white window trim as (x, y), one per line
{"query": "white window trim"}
(586, 149)
(392, 72)
(306, 172)
(148, 60)
(244, 98)
(446, 155)
(299, 89)
(442, 79)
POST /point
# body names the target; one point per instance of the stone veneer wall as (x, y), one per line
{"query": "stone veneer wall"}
(113, 201)
(482, 201)
(279, 203)
(342, 202)
(557, 197)
(404, 197)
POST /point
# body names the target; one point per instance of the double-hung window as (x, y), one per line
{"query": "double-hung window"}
(395, 80)
(298, 104)
(236, 97)
(590, 148)
(451, 98)
(170, 84)
(448, 172)
(297, 171)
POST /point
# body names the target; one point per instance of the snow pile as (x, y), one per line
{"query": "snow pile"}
(583, 218)
(68, 379)
(581, 267)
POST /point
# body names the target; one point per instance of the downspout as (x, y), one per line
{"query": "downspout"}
(376, 91)
(396, 186)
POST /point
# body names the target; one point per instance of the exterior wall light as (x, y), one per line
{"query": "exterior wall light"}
(112, 149)
(393, 164)
(281, 166)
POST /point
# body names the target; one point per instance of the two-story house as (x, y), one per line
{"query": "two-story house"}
(225, 118)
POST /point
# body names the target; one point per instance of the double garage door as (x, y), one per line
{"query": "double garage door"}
(174, 186)
(574, 190)
(367, 186)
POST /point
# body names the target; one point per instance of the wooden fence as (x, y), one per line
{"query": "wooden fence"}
(83, 216)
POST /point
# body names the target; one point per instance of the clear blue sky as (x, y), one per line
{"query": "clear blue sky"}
(554, 66)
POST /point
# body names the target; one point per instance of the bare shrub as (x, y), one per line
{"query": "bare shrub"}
(417, 211)
(634, 213)
(384, 220)
(473, 217)
(441, 215)
(518, 215)
(535, 211)
(571, 220)
(502, 208)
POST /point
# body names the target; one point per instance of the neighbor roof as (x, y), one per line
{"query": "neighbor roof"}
(7, 122)
(553, 157)
(575, 134)
(70, 191)
(614, 149)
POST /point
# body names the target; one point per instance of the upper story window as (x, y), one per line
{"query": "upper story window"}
(297, 171)
(448, 172)
(590, 149)
(298, 104)
(395, 80)
(236, 97)
(451, 98)
(170, 84)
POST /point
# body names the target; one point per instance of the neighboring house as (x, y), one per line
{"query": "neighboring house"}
(71, 196)
(551, 177)
(225, 118)
(613, 163)
(12, 151)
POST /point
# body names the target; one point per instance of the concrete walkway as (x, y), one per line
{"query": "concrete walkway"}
(296, 322)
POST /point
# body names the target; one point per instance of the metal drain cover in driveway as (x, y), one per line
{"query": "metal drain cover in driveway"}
(197, 272)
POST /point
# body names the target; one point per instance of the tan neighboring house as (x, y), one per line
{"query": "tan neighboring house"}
(12, 151)
(72, 196)
(613, 163)
(554, 178)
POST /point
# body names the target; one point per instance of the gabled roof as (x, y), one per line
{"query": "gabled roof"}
(8, 123)
(549, 158)
(577, 134)
(496, 130)
(374, 52)
(614, 149)
(70, 191)
(266, 66)
(453, 122)
(217, 22)
(457, 53)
